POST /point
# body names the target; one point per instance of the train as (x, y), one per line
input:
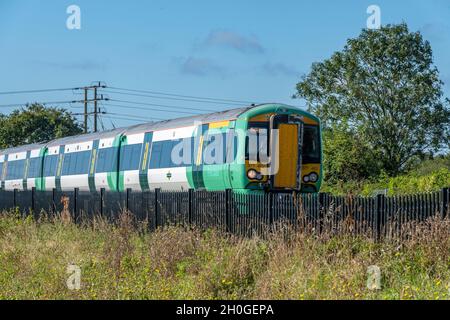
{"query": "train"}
(258, 148)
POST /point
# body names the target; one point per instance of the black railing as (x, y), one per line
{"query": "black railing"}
(242, 214)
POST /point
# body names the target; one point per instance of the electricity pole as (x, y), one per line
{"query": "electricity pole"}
(85, 110)
(95, 109)
(95, 100)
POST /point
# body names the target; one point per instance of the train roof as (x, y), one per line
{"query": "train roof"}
(23, 148)
(152, 126)
(187, 121)
(86, 137)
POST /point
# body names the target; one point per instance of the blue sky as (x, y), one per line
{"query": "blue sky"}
(242, 50)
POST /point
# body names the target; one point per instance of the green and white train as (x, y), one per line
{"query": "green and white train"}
(141, 157)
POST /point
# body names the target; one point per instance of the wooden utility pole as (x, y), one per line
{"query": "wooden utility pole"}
(95, 109)
(85, 110)
(95, 100)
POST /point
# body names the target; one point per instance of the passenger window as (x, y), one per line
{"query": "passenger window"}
(130, 157)
(166, 154)
(15, 170)
(105, 160)
(155, 155)
(76, 163)
(34, 168)
(161, 154)
(50, 165)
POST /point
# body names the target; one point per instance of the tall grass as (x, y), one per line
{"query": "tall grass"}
(123, 261)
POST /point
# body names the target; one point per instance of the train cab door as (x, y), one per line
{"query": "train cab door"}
(286, 142)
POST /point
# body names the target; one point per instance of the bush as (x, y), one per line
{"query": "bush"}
(428, 176)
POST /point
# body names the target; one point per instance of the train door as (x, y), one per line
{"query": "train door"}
(285, 153)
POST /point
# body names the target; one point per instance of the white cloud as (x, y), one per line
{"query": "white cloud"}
(235, 41)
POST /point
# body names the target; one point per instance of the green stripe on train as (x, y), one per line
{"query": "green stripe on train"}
(113, 177)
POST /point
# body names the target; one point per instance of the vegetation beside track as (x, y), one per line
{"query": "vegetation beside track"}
(124, 261)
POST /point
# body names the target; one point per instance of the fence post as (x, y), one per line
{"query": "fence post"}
(33, 200)
(380, 215)
(75, 204)
(321, 211)
(127, 200)
(15, 199)
(54, 201)
(445, 194)
(228, 210)
(190, 206)
(157, 194)
(102, 200)
(271, 207)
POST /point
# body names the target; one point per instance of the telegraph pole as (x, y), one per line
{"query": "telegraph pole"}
(85, 110)
(95, 109)
(95, 100)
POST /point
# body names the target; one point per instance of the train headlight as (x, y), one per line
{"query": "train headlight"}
(306, 179)
(313, 177)
(252, 174)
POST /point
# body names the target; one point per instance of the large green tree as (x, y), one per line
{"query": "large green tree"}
(384, 89)
(36, 123)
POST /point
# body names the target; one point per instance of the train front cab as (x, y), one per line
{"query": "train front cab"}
(291, 146)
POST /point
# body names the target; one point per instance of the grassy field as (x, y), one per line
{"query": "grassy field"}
(122, 261)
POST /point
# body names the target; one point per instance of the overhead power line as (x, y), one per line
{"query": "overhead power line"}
(182, 96)
(122, 118)
(112, 116)
(42, 103)
(131, 116)
(38, 91)
(162, 105)
(147, 109)
(172, 98)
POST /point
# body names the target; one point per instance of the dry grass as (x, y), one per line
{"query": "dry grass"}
(124, 261)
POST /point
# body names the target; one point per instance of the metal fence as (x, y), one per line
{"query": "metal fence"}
(242, 214)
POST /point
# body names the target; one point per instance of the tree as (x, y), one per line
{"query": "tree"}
(384, 87)
(35, 123)
(346, 156)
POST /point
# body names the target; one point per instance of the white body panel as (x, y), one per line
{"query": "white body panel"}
(80, 181)
(105, 143)
(131, 180)
(14, 184)
(157, 178)
(101, 181)
(17, 156)
(135, 138)
(173, 134)
(31, 183)
(78, 147)
(53, 150)
(35, 153)
(50, 183)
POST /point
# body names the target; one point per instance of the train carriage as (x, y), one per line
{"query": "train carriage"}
(88, 162)
(258, 148)
(20, 167)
